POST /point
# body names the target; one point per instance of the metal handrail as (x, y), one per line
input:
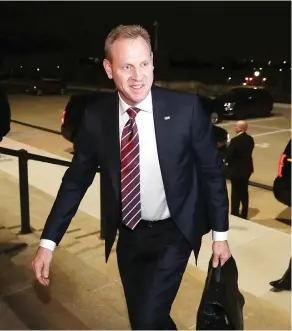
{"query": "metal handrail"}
(23, 157)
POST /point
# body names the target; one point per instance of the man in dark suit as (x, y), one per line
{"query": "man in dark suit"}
(240, 168)
(164, 186)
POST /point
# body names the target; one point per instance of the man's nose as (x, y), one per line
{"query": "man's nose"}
(137, 74)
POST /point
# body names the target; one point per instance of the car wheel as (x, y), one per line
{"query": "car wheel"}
(214, 117)
(39, 92)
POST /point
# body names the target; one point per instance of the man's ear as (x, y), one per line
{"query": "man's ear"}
(108, 68)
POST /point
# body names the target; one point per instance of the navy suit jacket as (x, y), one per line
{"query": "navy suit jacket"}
(191, 167)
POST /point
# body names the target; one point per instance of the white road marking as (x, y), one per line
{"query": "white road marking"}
(254, 120)
(269, 133)
(263, 145)
(225, 124)
(265, 126)
(272, 118)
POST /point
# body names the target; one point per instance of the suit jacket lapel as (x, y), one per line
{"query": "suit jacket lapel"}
(110, 128)
(161, 112)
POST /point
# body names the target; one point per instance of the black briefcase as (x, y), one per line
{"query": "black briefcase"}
(221, 306)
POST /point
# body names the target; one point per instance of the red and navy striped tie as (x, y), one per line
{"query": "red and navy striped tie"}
(130, 172)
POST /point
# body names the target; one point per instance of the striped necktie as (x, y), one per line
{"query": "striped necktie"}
(130, 172)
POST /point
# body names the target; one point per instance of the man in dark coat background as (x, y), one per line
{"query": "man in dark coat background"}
(240, 168)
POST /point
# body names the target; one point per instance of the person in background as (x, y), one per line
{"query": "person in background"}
(5, 114)
(284, 283)
(240, 167)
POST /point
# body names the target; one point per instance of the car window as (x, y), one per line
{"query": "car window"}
(242, 93)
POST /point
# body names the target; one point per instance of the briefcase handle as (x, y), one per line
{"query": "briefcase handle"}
(217, 272)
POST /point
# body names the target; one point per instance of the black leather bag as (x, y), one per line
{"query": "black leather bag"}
(221, 306)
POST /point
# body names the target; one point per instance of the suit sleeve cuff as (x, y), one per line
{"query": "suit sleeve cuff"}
(49, 244)
(219, 236)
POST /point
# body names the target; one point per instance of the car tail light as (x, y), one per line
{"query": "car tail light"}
(63, 116)
(281, 165)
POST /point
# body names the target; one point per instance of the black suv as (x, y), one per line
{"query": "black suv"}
(282, 183)
(46, 86)
(243, 102)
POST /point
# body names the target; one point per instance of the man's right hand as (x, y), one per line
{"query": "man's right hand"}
(41, 265)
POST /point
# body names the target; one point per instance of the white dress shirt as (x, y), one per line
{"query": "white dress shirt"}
(153, 200)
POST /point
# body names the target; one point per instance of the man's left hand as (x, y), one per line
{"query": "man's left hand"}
(221, 252)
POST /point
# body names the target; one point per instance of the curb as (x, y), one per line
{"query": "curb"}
(282, 105)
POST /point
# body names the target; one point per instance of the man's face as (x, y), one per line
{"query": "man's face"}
(131, 68)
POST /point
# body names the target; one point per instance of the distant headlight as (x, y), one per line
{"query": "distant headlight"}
(229, 105)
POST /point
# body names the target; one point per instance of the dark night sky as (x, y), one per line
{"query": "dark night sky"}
(208, 30)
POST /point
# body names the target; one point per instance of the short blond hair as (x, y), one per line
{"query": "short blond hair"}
(127, 32)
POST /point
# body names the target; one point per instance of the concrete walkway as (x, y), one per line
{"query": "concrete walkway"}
(87, 293)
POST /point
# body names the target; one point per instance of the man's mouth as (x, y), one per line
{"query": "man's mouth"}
(137, 87)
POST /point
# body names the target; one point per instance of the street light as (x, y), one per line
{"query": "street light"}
(256, 73)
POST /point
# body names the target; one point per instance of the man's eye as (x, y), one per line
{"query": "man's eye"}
(127, 67)
(145, 64)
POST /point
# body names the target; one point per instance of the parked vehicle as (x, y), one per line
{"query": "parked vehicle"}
(208, 104)
(282, 183)
(242, 102)
(222, 139)
(72, 115)
(46, 86)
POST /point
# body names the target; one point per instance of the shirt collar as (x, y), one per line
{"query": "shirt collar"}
(145, 105)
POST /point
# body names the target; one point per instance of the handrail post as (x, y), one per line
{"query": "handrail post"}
(24, 191)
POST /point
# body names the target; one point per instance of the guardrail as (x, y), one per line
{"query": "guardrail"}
(259, 185)
(23, 157)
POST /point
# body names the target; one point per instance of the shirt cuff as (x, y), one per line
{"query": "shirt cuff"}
(219, 236)
(49, 244)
